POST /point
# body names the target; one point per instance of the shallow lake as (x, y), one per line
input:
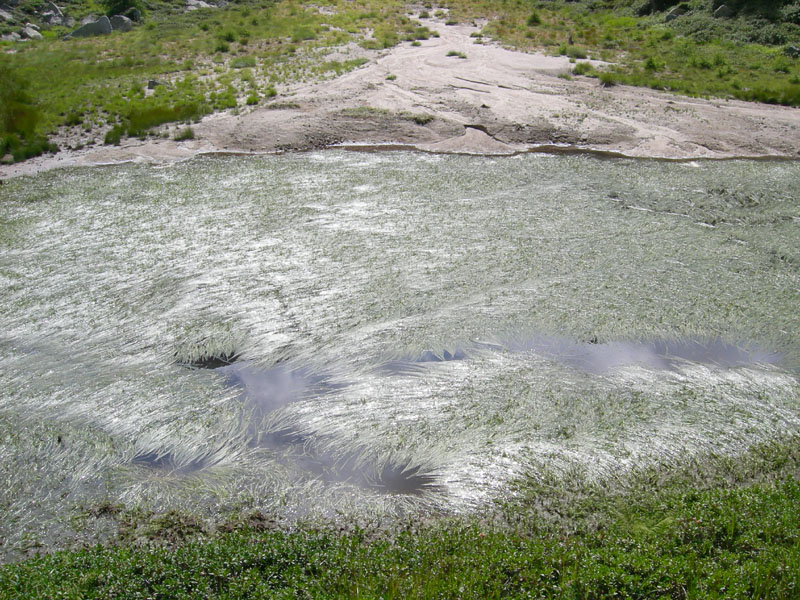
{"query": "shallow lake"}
(350, 333)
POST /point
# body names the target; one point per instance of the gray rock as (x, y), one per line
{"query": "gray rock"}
(675, 13)
(100, 27)
(792, 51)
(723, 12)
(154, 83)
(55, 9)
(195, 4)
(88, 19)
(6, 16)
(121, 23)
(32, 26)
(11, 37)
(134, 14)
(29, 33)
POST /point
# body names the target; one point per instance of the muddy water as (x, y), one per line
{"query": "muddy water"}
(343, 333)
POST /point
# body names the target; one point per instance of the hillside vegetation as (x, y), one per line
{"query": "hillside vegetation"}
(177, 65)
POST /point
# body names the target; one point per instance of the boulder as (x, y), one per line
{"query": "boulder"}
(792, 51)
(675, 13)
(134, 14)
(88, 19)
(53, 8)
(6, 16)
(100, 27)
(29, 33)
(723, 12)
(11, 37)
(32, 26)
(121, 23)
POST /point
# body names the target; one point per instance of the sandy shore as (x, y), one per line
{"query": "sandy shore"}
(492, 101)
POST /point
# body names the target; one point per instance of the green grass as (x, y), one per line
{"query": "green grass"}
(98, 81)
(695, 55)
(741, 543)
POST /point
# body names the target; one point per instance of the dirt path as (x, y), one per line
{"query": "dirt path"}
(492, 101)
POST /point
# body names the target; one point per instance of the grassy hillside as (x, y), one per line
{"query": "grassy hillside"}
(242, 53)
(738, 536)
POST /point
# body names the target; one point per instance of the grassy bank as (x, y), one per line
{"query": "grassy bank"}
(742, 543)
(723, 527)
(245, 53)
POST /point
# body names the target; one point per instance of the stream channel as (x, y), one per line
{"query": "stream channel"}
(343, 333)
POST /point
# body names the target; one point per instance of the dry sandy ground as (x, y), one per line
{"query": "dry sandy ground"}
(492, 101)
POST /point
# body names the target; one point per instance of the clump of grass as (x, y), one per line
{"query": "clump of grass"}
(533, 20)
(283, 106)
(185, 134)
(418, 118)
(607, 79)
(456, 54)
(391, 77)
(582, 68)
(243, 62)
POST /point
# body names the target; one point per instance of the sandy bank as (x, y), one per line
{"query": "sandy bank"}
(492, 101)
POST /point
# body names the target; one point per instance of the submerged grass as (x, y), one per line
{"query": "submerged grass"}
(401, 326)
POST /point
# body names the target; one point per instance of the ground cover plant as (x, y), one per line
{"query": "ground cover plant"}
(750, 55)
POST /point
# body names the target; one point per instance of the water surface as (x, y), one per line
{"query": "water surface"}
(344, 333)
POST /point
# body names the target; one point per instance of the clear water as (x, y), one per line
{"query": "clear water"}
(405, 332)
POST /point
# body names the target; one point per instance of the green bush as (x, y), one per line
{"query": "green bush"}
(118, 7)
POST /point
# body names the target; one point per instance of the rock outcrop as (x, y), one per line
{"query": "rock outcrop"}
(100, 27)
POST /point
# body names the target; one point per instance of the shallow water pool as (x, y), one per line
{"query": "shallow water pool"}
(341, 333)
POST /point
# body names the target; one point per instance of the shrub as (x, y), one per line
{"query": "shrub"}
(118, 7)
(607, 79)
(583, 68)
(534, 20)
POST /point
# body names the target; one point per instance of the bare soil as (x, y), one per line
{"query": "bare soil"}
(494, 101)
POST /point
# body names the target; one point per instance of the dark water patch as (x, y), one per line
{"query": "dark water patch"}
(210, 361)
(165, 461)
(416, 364)
(266, 390)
